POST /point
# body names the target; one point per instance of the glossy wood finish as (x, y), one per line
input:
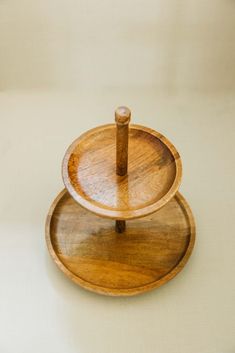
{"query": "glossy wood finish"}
(149, 253)
(154, 172)
(122, 118)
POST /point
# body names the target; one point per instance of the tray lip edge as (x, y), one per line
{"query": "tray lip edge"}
(129, 291)
(116, 214)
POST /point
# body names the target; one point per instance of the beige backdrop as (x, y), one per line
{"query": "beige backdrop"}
(64, 67)
(171, 45)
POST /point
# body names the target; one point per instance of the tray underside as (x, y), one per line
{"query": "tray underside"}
(148, 254)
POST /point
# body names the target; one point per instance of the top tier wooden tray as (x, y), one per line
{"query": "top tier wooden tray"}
(154, 171)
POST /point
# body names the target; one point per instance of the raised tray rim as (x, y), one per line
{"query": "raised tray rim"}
(116, 291)
(117, 214)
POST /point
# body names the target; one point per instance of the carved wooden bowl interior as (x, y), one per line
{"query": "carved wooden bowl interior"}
(154, 172)
(149, 253)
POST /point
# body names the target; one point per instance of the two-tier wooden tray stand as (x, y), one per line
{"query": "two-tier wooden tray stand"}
(121, 227)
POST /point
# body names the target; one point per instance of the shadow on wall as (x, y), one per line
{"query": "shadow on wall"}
(169, 45)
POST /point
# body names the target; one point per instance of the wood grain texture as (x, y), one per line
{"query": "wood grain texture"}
(122, 118)
(150, 252)
(154, 172)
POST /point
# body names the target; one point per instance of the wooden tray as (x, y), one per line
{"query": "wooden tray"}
(154, 172)
(149, 253)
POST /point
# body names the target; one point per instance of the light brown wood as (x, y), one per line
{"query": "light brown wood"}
(122, 118)
(150, 252)
(154, 172)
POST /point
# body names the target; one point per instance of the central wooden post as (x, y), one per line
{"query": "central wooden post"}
(122, 118)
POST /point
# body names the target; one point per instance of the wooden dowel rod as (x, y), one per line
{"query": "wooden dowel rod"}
(120, 226)
(122, 118)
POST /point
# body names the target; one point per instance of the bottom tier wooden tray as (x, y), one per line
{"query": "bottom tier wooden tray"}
(150, 252)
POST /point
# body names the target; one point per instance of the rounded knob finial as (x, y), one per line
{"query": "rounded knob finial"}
(122, 115)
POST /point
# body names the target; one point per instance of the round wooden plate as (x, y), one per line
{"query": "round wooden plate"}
(154, 172)
(149, 253)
